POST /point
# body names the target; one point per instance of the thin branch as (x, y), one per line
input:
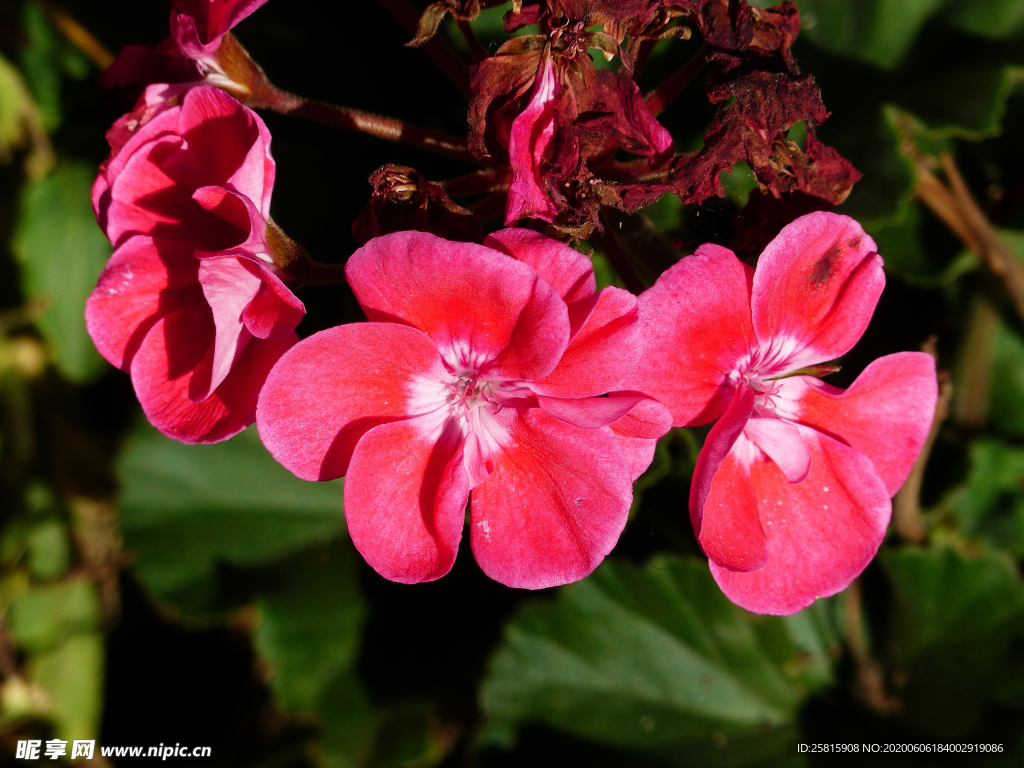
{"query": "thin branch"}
(480, 182)
(665, 93)
(387, 128)
(869, 679)
(454, 67)
(80, 37)
(476, 49)
(906, 507)
(974, 371)
(617, 255)
(957, 208)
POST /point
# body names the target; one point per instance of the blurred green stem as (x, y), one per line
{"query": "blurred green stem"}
(974, 367)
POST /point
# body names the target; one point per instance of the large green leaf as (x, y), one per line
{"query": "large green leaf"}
(311, 619)
(872, 144)
(187, 507)
(877, 31)
(62, 252)
(988, 18)
(657, 659)
(955, 623)
(46, 616)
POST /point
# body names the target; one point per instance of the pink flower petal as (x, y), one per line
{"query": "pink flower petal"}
(731, 534)
(886, 415)
(532, 132)
(275, 311)
(567, 270)
(589, 412)
(602, 353)
(696, 325)
(229, 284)
(143, 281)
(717, 445)
(821, 533)
(228, 144)
(638, 432)
(782, 442)
(405, 498)
(815, 289)
(333, 387)
(226, 204)
(162, 368)
(215, 17)
(485, 311)
(545, 517)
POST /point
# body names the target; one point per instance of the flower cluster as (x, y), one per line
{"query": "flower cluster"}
(495, 373)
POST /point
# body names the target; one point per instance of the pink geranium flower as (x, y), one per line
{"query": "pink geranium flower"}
(481, 373)
(791, 494)
(191, 302)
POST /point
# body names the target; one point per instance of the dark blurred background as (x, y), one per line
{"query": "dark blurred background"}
(156, 593)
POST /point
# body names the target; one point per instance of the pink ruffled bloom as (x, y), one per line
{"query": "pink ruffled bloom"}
(791, 494)
(480, 373)
(191, 303)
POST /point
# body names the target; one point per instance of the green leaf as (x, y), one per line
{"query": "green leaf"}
(872, 144)
(991, 504)
(41, 61)
(964, 103)
(188, 507)
(72, 675)
(899, 243)
(62, 252)
(657, 659)
(987, 18)
(955, 623)
(879, 32)
(49, 552)
(56, 626)
(312, 615)
(46, 616)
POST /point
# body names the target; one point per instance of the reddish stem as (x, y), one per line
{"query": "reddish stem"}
(454, 67)
(387, 128)
(665, 93)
